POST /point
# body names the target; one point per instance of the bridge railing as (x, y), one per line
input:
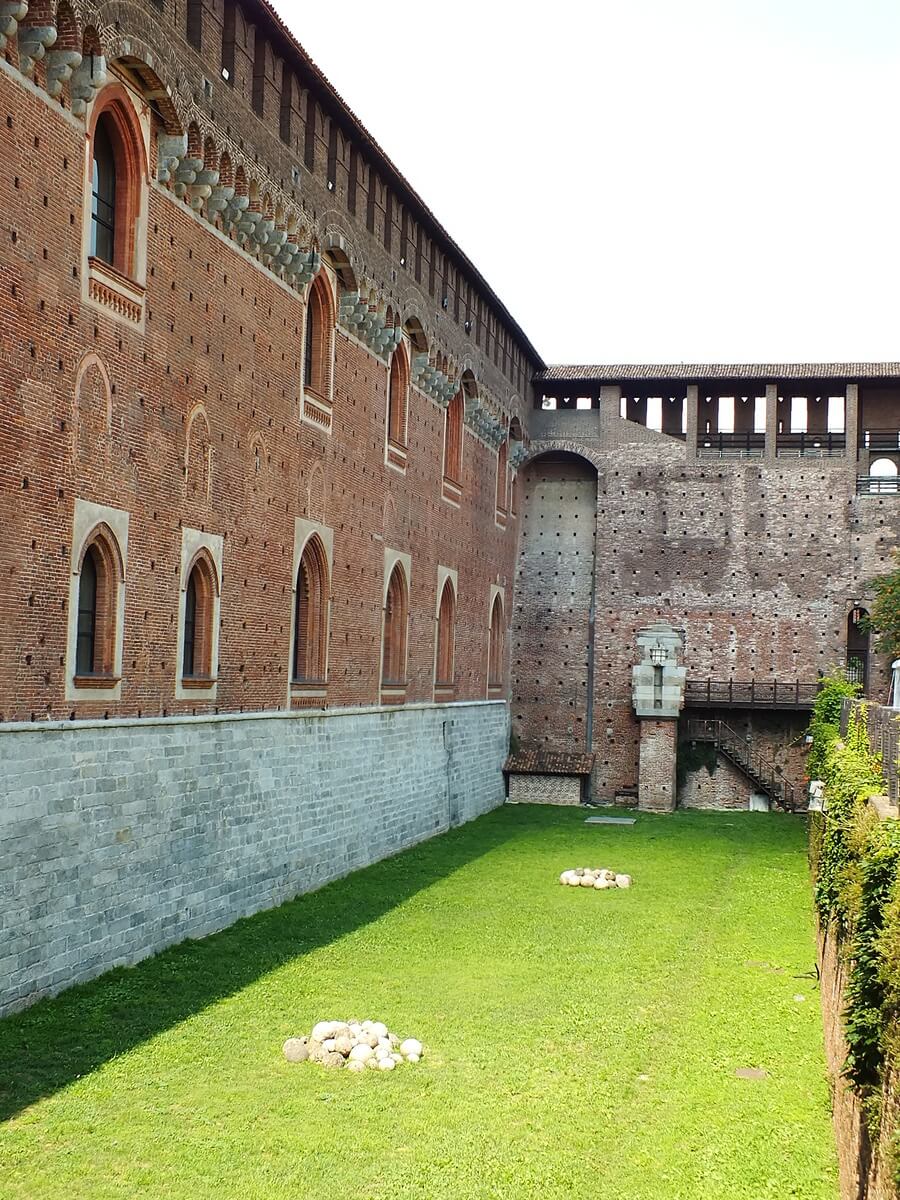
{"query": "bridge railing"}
(752, 693)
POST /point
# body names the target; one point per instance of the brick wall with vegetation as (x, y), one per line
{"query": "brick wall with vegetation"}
(855, 860)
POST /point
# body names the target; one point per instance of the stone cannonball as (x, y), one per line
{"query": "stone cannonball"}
(410, 1046)
(296, 1050)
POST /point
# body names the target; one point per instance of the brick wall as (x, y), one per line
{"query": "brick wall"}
(119, 838)
(758, 563)
(222, 333)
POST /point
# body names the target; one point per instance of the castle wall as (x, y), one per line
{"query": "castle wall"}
(121, 837)
(758, 563)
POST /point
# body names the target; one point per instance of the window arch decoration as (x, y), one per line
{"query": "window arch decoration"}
(309, 663)
(397, 409)
(495, 645)
(115, 206)
(394, 635)
(317, 353)
(445, 635)
(96, 611)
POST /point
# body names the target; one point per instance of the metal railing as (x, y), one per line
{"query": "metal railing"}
(760, 770)
(731, 445)
(877, 485)
(811, 445)
(753, 693)
(879, 439)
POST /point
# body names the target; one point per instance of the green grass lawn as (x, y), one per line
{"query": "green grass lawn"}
(578, 1043)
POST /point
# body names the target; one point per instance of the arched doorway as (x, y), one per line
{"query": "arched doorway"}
(883, 476)
(552, 621)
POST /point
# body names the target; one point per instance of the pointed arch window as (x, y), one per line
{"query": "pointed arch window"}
(501, 479)
(97, 616)
(446, 637)
(86, 642)
(197, 635)
(396, 609)
(311, 615)
(103, 194)
(318, 340)
(495, 646)
(398, 396)
(453, 439)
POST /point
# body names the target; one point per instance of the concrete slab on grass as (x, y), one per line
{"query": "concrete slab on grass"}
(609, 820)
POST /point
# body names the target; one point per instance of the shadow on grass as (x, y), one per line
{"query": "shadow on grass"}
(51, 1044)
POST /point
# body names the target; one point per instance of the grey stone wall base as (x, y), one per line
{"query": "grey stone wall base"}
(120, 838)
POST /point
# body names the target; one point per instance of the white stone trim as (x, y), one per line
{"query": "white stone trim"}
(304, 529)
(193, 540)
(87, 516)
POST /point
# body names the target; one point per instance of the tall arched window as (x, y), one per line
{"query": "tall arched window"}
(446, 637)
(398, 393)
(103, 195)
(118, 165)
(453, 439)
(199, 607)
(495, 646)
(99, 579)
(393, 659)
(87, 616)
(501, 478)
(311, 615)
(318, 339)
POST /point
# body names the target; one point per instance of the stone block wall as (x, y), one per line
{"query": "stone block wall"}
(118, 838)
(725, 788)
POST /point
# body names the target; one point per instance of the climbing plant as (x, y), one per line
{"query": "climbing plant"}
(825, 723)
(884, 612)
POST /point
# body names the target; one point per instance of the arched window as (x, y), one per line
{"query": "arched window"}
(446, 636)
(199, 607)
(393, 660)
(87, 616)
(495, 645)
(99, 578)
(103, 194)
(453, 439)
(317, 340)
(398, 393)
(311, 615)
(501, 478)
(883, 476)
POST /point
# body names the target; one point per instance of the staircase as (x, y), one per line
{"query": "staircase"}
(739, 751)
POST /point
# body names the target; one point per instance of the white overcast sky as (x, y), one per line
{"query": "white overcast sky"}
(648, 180)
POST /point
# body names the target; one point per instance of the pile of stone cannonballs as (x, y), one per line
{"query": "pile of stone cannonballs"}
(595, 877)
(356, 1045)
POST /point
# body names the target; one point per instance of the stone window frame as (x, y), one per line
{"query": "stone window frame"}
(198, 546)
(444, 643)
(395, 641)
(306, 691)
(397, 409)
(118, 289)
(317, 394)
(105, 529)
(496, 639)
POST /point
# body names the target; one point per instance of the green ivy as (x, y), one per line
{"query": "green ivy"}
(825, 724)
(884, 615)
